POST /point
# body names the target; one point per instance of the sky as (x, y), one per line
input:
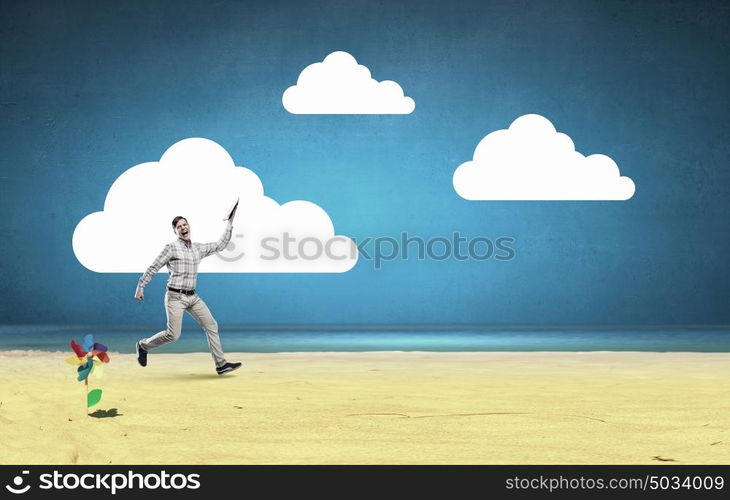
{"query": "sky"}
(91, 89)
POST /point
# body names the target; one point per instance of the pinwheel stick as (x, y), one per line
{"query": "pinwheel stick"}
(85, 361)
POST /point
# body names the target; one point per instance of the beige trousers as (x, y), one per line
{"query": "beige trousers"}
(176, 304)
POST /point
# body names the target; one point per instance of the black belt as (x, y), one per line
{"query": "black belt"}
(186, 292)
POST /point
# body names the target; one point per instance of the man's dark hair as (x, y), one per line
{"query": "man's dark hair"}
(176, 220)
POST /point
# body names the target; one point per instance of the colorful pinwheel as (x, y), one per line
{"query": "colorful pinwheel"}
(89, 357)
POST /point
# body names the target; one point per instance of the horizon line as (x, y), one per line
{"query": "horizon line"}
(394, 326)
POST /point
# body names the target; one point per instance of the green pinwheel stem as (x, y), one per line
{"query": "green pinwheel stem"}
(93, 397)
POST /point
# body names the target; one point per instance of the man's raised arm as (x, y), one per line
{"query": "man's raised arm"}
(160, 261)
(211, 248)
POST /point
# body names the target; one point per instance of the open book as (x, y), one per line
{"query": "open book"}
(232, 209)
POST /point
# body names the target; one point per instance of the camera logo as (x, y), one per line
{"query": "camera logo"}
(18, 482)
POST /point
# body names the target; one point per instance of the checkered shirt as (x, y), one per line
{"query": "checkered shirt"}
(182, 261)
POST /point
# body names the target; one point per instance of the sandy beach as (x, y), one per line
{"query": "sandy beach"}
(371, 408)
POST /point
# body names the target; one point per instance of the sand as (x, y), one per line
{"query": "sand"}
(371, 408)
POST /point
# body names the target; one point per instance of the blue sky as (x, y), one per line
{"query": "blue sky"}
(89, 89)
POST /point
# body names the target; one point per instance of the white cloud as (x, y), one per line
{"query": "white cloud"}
(338, 85)
(532, 161)
(198, 179)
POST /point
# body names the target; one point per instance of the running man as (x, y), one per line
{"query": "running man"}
(182, 258)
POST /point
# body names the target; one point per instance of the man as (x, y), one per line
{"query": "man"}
(182, 258)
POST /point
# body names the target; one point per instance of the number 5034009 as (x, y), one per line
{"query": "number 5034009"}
(687, 482)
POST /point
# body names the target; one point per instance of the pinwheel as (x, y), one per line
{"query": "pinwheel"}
(89, 357)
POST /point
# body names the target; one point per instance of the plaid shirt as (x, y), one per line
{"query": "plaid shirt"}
(182, 261)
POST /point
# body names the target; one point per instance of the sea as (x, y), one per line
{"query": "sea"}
(357, 338)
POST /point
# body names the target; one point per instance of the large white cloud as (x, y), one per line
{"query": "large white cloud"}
(198, 179)
(339, 85)
(532, 161)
